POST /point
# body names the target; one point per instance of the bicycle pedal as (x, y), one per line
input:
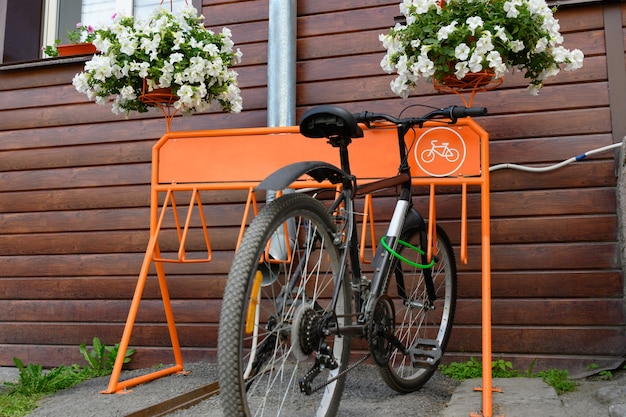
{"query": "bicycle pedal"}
(425, 352)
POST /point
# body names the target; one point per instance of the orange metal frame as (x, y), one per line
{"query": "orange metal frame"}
(238, 159)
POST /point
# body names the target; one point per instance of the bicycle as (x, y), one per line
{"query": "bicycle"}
(297, 296)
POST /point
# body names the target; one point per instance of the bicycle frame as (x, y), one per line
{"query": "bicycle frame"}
(348, 243)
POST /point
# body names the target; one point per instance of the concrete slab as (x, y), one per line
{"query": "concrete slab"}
(520, 397)
(8, 374)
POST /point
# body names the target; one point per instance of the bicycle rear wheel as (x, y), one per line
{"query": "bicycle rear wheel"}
(275, 312)
(421, 325)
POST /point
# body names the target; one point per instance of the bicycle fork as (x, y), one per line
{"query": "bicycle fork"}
(423, 352)
(381, 271)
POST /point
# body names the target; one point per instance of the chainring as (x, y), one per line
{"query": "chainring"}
(381, 330)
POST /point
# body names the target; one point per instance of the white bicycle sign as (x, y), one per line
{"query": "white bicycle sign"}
(443, 150)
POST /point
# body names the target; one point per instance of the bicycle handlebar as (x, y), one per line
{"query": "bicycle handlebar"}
(452, 112)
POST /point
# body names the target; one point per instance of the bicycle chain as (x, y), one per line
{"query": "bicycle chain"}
(339, 375)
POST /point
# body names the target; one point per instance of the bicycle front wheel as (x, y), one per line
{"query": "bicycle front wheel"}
(276, 312)
(423, 325)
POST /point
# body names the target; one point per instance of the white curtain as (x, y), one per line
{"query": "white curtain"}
(97, 12)
(143, 8)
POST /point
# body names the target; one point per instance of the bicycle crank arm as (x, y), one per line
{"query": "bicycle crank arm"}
(349, 330)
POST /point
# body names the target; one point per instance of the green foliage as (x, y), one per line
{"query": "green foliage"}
(604, 375)
(101, 358)
(504, 369)
(33, 380)
(20, 398)
(556, 378)
(463, 370)
(51, 50)
(17, 405)
(474, 369)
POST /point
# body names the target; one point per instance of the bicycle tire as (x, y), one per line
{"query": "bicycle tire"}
(417, 321)
(259, 373)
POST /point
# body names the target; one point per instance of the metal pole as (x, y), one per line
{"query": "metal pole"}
(281, 63)
(281, 67)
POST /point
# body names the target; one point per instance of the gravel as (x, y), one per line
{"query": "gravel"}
(366, 395)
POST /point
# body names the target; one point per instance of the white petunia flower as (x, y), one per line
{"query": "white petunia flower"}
(517, 46)
(475, 62)
(445, 31)
(560, 54)
(510, 7)
(461, 69)
(386, 64)
(474, 23)
(575, 60)
(541, 45)
(461, 52)
(500, 33)
(399, 87)
(484, 44)
(425, 66)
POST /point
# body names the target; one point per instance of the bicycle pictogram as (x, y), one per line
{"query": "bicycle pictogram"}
(443, 150)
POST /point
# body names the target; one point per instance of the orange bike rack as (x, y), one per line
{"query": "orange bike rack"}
(238, 159)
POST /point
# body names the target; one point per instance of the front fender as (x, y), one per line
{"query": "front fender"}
(318, 170)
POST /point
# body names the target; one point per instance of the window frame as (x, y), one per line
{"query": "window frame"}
(56, 28)
(45, 31)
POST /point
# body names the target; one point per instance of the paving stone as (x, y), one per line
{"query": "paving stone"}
(617, 410)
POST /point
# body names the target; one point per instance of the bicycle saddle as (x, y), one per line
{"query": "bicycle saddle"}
(329, 122)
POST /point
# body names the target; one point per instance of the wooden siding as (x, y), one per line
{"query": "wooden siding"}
(74, 195)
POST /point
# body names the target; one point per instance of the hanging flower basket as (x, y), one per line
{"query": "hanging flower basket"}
(137, 59)
(71, 49)
(443, 40)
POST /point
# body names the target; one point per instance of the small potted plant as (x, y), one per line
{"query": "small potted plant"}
(171, 51)
(80, 43)
(445, 41)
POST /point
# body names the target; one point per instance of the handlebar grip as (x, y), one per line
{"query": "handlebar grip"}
(460, 111)
(362, 117)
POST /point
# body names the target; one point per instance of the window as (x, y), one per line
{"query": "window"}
(62, 15)
(20, 30)
(26, 25)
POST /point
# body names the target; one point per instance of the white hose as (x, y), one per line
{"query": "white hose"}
(555, 166)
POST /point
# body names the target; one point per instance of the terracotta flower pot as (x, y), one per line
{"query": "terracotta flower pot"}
(71, 49)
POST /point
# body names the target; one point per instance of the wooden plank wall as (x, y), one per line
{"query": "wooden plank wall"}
(74, 195)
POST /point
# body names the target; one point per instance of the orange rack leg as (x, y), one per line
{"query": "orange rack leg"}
(115, 386)
(487, 398)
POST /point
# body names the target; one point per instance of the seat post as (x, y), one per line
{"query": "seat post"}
(342, 143)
